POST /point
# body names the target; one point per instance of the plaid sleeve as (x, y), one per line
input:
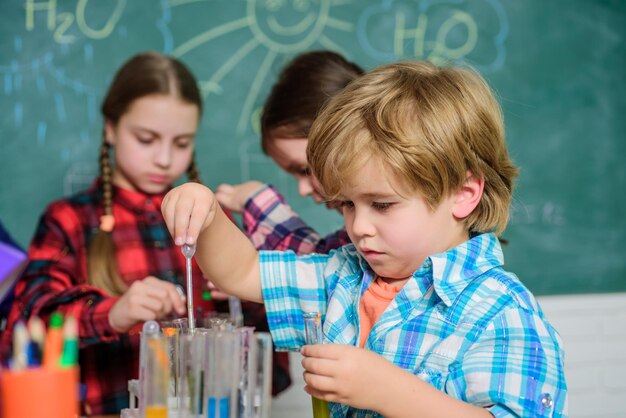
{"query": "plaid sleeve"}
(292, 285)
(515, 369)
(272, 225)
(55, 279)
(332, 241)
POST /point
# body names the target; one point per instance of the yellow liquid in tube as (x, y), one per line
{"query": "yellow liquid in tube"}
(156, 412)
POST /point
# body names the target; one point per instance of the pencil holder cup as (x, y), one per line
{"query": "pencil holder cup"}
(40, 392)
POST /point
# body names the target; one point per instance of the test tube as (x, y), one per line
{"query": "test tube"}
(172, 337)
(149, 328)
(247, 370)
(178, 325)
(154, 372)
(222, 366)
(173, 330)
(191, 375)
(314, 335)
(234, 308)
(263, 388)
(218, 321)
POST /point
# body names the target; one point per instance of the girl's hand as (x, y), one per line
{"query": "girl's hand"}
(188, 210)
(217, 293)
(144, 300)
(234, 197)
(346, 374)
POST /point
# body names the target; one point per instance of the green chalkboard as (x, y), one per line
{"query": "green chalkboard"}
(557, 66)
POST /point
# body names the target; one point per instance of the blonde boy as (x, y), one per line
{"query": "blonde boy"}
(420, 319)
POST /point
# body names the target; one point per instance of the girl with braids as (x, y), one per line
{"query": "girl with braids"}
(104, 255)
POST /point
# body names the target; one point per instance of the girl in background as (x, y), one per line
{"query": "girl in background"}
(104, 255)
(302, 89)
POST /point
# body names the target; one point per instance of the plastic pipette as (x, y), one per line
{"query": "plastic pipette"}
(188, 252)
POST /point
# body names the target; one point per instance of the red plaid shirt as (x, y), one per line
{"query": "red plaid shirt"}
(56, 279)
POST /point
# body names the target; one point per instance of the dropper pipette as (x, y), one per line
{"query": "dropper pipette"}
(188, 252)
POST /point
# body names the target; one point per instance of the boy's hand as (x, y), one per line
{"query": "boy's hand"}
(188, 210)
(224, 254)
(235, 197)
(144, 300)
(365, 380)
(346, 374)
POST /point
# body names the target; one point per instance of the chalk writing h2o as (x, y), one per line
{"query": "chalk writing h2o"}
(441, 51)
(60, 23)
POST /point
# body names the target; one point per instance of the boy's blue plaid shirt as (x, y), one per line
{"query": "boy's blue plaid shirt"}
(462, 324)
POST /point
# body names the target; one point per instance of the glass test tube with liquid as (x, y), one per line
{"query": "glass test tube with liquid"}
(222, 367)
(154, 372)
(314, 335)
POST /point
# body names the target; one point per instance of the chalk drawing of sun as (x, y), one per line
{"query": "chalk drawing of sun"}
(280, 27)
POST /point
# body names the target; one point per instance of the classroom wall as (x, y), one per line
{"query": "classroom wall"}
(593, 328)
(557, 67)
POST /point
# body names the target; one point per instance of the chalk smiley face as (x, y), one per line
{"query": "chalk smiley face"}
(288, 25)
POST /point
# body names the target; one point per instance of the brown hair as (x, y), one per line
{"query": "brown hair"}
(429, 125)
(303, 87)
(142, 75)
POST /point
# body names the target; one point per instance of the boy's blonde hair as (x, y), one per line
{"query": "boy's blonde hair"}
(429, 126)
